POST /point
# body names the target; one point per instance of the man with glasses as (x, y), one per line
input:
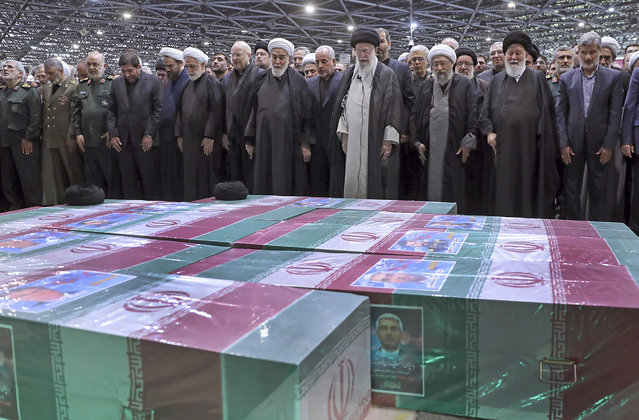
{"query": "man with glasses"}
(419, 65)
(367, 118)
(497, 57)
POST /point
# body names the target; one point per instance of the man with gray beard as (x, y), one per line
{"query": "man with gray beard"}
(278, 136)
(518, 118)
(198, 124)
(563, 64)
(444, 126)
(479, 165)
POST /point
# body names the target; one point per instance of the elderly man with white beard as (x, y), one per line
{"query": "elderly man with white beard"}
(278, 133)
(518, 117)
(444, 126)
(198, 125)
(367, 119)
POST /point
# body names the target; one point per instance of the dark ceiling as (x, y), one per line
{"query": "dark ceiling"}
(33, 30)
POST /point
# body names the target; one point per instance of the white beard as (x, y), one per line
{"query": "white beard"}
(196, 76)
(444, 79)
(366, 69)
(515, 70)
(278, 72)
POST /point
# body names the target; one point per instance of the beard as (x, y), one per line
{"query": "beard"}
(196, 74)
(470, 74)
(515, 70)
(278, 72)
(444, 78)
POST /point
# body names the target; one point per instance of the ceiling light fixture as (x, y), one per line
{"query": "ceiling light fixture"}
(126, 15)
(350, 27)
(310, 8)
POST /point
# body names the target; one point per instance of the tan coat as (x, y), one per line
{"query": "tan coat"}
(56, 113)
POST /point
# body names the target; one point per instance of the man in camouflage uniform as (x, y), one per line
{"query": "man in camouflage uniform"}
(61, 162)
(90, 102)
(19, 138)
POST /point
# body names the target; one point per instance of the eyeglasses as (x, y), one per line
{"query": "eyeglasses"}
(416, 59)
(442, 64)
(365, 51)
(465, 64)
(496, 52)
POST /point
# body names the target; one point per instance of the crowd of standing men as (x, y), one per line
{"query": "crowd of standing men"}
(513, 139)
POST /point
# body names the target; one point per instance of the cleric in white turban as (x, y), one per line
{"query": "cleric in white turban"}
(197, 54)
(173, 53)
(442, 49)
(282, 43)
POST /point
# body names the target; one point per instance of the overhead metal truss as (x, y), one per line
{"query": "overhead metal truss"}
(33, 30)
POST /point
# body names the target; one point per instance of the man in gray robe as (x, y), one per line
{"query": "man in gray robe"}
(367, 119)
(443, 124)
(198, 125)
(278, 134)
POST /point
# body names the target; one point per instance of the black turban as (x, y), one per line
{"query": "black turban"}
(365, 34)
(84, 195)
(160, 65)
(467, 51)
(261, 45)
(229, 191)
(517, 37)
(534, 51)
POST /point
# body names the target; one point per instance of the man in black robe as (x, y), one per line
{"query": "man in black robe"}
(369, 89)
(323, 88)
(409, 165)
(518, 117)
(172, 172)
(238, 86)
(278, 134)
(198, 124)
(479, 166)
(443, 127)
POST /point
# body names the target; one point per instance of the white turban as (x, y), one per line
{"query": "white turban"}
(442, 49)
(308, 58)
(282, 43)
(173, 53)
(197, 54)
(610, 42)
(633, 59)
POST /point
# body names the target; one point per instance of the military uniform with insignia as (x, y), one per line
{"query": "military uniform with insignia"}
(553, 82)
(61, 160)
(90, 103)
(20, 120)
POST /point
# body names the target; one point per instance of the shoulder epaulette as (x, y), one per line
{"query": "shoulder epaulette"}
(86, 79)
(110, 77)
(26, 86)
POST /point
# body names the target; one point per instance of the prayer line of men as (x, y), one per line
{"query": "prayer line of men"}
(379, 129)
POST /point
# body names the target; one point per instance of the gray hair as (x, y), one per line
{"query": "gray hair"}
(589, 39)
(388, 315)
(243, 45)
(452, 41)
(305, 49)
(54, 62)
(385, 32)
(419, 48)
(330, 50)
(497, 44)
(563, 48)
(98, 53)
(36, 68)
(18, 65)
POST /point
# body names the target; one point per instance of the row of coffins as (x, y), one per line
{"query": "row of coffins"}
(488, 317)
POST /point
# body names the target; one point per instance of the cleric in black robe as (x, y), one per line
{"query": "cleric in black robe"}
(323, 88)
(238, 85)
(171, 170)
(443, 127)
(383, 115)
(278, 133)
(519, 119)
(199, 124)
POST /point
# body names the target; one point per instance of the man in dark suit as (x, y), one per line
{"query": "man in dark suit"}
(589, 118)
(323, 88)
(133, 118)
(409, 164)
